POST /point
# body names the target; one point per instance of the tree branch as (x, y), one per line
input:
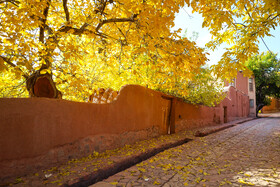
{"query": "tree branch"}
(42, 27)
(14, 2)
(115, 20)
(121, 32)
(240, 24)
(100, 9)
(66, 11)
(267, 20)
(83, 30)
(8, 61)
(265, 25)
(75, 31)
(85, 25)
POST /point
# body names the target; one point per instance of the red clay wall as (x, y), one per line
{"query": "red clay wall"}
(190, 116)
(273, 107)
(236, 105)
(40, 132)
(52, 131)
(242, 83)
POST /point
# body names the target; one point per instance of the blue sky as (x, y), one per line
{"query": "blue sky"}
(185, 19)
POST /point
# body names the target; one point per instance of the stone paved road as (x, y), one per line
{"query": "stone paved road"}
(244, 155)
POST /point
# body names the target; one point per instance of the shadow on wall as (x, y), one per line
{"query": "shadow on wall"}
(36, 133)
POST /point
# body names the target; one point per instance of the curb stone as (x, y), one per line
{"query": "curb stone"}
(121, 165)
(210, 130)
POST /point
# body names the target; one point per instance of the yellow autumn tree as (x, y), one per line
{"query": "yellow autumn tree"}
(239, 23)
(95, 71)
(72, 42)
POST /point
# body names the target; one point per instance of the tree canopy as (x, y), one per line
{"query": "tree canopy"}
(266, 69)
(241, 25)
(90, 44)
(83, 45)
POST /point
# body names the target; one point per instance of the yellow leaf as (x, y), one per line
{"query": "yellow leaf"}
(244, 182)
(247, 175)
(142, 169)
(198, 179)
(222, 183)
(44, 71)
(156, 183)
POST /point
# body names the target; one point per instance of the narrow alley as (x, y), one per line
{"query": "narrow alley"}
(244, 155)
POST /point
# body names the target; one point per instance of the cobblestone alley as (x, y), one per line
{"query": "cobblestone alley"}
(244, 155)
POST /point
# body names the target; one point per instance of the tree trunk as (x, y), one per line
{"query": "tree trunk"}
(259, 107)
(42, 85)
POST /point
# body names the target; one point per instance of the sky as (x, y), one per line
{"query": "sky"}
(185, 19)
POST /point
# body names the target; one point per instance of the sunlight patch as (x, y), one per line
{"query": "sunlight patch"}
(259, 177)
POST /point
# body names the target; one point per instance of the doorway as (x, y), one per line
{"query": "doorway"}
(225, 114)
(169, 115)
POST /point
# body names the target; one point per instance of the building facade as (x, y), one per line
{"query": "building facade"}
(246, 85)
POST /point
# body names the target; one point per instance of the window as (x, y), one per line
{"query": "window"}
(251, 85)
(251, 103)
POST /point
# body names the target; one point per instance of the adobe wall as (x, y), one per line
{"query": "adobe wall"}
(273, 107)
(190, 116)
(236, 105)
(40, 131)
(242, 83)
(36, 133)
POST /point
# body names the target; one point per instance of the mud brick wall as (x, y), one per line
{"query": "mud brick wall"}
(37, 133)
